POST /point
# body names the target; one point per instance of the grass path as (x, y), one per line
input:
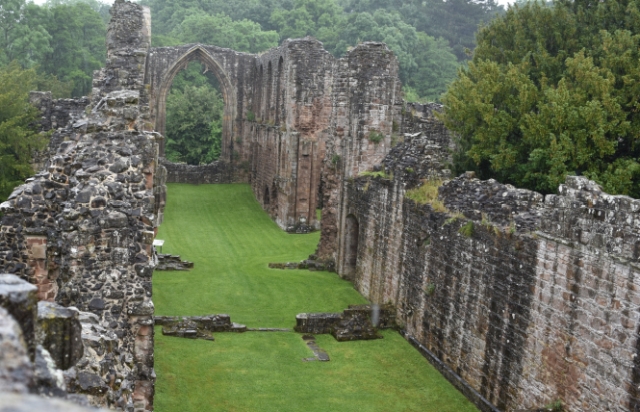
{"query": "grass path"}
(231, 240)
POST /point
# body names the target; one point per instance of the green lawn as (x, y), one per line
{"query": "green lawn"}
(231, 240)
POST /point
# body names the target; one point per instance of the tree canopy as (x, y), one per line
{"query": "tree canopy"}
(17, 139)
(194, 117)
(552, 91)
(63, 39)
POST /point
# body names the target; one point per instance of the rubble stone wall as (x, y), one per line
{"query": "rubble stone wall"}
(529, 299)
(81, 230)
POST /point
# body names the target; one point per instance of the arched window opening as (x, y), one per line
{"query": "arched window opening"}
(279, 98)
(257, 103)
(268, 106)
(351, 245)
(266, 199)
(194, 116)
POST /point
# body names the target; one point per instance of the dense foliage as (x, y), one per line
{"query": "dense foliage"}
(17, 139)
(553, 91)
(62, 40)
(194, 118)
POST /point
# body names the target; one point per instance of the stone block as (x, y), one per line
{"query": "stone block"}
(16, 370)
(19, 298)
(60, 333)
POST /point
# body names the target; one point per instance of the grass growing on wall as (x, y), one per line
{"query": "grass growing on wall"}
(223, 230)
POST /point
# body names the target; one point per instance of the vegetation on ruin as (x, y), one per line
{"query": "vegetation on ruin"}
(427, 192)
(552, 91)
(467, 229)
(375, 174)
(231, 240)
(375, 136)
(18, 140)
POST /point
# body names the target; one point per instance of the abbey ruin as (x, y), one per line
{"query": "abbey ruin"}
(518, 299)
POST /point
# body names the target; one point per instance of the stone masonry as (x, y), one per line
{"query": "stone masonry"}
(520, 299)
(81, 230)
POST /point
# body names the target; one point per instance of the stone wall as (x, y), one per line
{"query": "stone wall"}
(216, 172)
(81, 230)
(520, 299)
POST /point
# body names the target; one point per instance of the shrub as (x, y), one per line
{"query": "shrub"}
(375, 137)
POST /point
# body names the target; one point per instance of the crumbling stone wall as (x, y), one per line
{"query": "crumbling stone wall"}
(520, 299)
(81, 230)
(281, 109)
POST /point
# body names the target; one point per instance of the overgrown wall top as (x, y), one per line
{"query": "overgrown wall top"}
(529, 299)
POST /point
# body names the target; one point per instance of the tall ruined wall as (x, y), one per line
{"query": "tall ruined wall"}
(366, 100)
(528, 299)
(286, 129)
(282, 108)
(81, 229)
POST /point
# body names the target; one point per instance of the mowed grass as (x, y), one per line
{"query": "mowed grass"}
(231, 240)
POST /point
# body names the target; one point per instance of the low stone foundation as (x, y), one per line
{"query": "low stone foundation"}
(216, 172)
(313, 264)
(172, 262)
(354, 323)
(197, 327)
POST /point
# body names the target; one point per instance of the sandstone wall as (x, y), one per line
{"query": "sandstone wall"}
(528, 299)
(366, 99)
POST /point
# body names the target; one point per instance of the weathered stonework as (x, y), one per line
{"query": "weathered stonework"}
(354, 323)
(81, 230)
(522, 300)
(281, 109)
(519, 299)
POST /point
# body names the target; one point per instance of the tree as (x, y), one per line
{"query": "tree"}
(427, 65)
(437, 66)
(22, 36)
(456, 21)
(220, 30)
(322, 19)
(77, 45)
(552, 91)
(17, 139)
(194, 125)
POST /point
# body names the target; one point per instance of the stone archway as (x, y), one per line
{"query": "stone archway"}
(198, 52)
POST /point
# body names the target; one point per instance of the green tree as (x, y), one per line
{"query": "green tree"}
(17, 139)
(194, 124)
(166, 15)
(552, 91)
(220, 30)
(77, 45)
(22, 36)
(322, 19)
(427, 65)
(454, 20)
